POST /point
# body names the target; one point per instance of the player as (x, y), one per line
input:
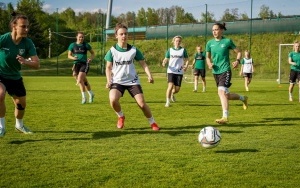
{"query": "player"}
(294, 61)
(77, 51)
(217, 59)
(247, 69)
(199, 68)
(121, 75)
(176, 56)
(17, 50)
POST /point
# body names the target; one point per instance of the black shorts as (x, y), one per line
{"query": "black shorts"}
(14, 87)
(133, 89)
(175, 78)
(200, 72)
(81, 67)
(294, 75)
(223, 79)
(248, 75)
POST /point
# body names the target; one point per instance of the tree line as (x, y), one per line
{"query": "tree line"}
(64, 25)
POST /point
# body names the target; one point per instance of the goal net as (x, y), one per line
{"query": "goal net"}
(283, 65)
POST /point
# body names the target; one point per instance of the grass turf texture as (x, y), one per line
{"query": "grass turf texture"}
(77, 145)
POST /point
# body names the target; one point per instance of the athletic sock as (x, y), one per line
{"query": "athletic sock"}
(242, 98)
(151, 120)
(225, 113)
(19, 123)
(2, 122)
(120, 114)
(90, 93)
(83, 95)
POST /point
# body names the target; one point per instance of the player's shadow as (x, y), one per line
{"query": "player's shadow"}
(238, 151)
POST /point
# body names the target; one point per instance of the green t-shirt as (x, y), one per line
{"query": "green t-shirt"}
(9, 66)
(295, 56)
(220, 54)
(199, 60)
(80, 50)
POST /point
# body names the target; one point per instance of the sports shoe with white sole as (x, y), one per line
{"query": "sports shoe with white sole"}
(223, 120)
(167, 104)
(2, 131)
(24, 130)
(155, 127)
(245, 103)
(120, 123)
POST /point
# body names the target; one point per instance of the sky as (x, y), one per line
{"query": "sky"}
(195, 7)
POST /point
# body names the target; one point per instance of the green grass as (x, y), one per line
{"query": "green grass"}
(78, 145)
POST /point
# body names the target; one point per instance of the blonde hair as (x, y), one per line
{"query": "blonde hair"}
(177, 36)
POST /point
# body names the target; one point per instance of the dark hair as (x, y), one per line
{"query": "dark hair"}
(221, 26)
(15, 18)
(119, 26)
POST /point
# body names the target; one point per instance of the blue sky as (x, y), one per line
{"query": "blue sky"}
(196, 7)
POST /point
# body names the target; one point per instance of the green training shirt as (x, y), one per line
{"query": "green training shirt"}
(220, 54)
(9, 66)
(295, 56)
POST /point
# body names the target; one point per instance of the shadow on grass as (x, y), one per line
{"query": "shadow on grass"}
(238, 151)
(171, 131)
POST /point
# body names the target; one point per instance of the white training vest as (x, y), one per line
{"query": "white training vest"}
(123, 69)
(176, 61)
(247, 68)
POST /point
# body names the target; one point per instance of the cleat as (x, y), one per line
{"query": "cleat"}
(167, 104)
(2, 131)
(173, 99)
(24, 130)
(92, 98)
(83, 101)
(247, 89)
(195, 91)
(291, 99)
(155, 127)
(120, 124)
(245, 103)
(223, 120)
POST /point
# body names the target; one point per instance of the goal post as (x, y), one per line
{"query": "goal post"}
(283, 66)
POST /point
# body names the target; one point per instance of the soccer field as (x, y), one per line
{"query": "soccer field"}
(77, 145)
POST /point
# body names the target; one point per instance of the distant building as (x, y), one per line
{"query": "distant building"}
(2, 6)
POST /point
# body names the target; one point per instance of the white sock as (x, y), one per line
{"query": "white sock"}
(290, 95)
(90, 93)
(83, 95)
(168, 100)
(120, 114)
(2, 122)
(19, 123)
(151, 120)
(225, 113)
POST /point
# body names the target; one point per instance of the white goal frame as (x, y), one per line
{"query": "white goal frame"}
(279, 81)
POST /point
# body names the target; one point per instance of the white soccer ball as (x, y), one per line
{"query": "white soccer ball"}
(209, 137)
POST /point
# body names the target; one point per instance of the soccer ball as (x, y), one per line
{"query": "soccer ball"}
(209, 137)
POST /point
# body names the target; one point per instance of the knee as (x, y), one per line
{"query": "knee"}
(20, 106)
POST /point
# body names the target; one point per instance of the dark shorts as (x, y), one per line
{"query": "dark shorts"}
(175, 78)
(81, 67)
(223, 79)
(200, 72)
(133, 90)
(14, 87)
(247, 75)
(294, 75)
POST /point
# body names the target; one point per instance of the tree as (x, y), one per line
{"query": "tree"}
(210, 17)
(264, 12)
(230, 15)
(244, 17)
